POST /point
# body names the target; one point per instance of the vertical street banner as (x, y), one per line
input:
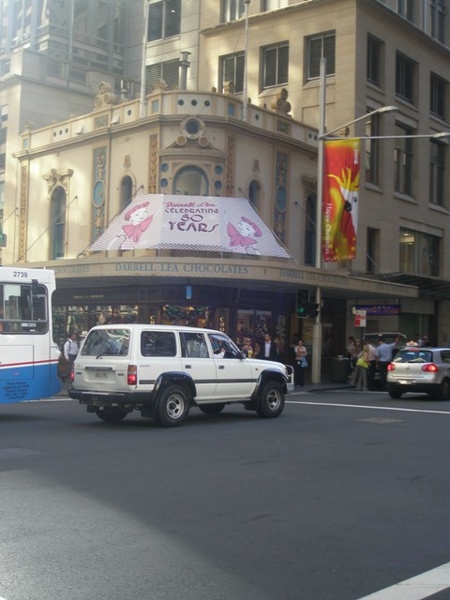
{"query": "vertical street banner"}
(341, 165)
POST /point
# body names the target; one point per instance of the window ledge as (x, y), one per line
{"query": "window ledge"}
(438, 208)
(373, 187)
(405, 198)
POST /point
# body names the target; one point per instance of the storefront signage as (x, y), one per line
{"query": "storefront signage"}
(378, 309)
(100, 266)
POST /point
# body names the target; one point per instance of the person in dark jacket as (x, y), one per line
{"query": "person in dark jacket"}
(269, 350)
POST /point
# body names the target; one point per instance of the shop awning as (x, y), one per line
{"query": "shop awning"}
(211, 223)
(434, 288)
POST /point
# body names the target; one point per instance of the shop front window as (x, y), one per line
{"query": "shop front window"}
(253, 324)
(81, 318)
(198, 316)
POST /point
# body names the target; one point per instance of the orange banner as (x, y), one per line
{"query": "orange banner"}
(341, 164)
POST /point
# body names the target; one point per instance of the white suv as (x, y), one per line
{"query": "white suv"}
(162, 371)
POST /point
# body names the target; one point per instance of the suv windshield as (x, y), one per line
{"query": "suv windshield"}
(106, 341)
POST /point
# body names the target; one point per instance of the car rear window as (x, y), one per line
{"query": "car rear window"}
(412, 356)
(104, 342)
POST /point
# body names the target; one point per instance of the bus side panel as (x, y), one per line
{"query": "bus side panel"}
(23, 378)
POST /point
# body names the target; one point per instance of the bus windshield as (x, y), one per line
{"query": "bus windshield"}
(23, 308)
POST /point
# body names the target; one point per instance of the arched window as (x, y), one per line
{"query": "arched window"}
(58, 223)
(126, 191)
(191, 181)
(310, 230)
(254, 193)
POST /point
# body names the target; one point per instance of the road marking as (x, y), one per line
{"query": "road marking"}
(398, 409)
(417, 588)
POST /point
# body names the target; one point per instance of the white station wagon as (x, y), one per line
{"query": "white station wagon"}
(162, 371)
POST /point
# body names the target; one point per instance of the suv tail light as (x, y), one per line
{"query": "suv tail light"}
(430, 368)
(132, 375)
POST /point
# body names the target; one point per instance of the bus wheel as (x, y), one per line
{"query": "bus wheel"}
(111, 414)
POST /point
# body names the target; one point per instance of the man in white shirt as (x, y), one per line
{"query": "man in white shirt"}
(383, 356)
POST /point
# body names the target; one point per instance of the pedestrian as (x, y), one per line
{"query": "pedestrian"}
(362, 368)
(300, 364)
(269, 348)
(247, 348)
(71, 348)
(373, 368)
(383, 354)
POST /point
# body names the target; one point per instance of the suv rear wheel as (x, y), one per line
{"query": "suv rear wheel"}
(173, 407)
(271, 400)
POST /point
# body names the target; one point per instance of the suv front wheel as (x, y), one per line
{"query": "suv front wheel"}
(173, 407)
(271, 400)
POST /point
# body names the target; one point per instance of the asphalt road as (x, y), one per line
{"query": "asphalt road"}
(338, 498)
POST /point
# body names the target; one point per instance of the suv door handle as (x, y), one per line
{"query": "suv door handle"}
(221, 366)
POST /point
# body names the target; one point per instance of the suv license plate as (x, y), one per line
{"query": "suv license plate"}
(101, 375)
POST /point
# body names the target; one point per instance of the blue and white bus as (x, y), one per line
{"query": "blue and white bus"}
(28, 355)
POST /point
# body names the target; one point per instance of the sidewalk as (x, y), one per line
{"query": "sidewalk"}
(323, 386)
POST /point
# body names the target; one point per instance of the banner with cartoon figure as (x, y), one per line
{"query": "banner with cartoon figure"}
(191, 223)
(340, 199)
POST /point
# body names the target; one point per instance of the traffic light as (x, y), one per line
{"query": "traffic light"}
(302, 304)
(313, 310)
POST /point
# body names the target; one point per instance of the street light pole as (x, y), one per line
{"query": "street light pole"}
(245, 83)
(142, 103)
(323, 135)
(316, 365)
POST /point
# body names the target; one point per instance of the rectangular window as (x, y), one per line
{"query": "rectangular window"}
(23, 308)
(372, 250)
(158, 343)
(437, 173)
(405, 8)
(275, 65)
(168, 71)
(403, 159)
(438, 94)
(232, 10)
(318, 47)
(404, 77)
(419, 253)
(164, 17)
(274, 4)
(372, 149)
(438, 15)
(374, 60)
(232, 71)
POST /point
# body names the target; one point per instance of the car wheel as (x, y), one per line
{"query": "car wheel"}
(212, 409)
(395, 394)
(444, 390)
(173, 407)
(111, 414)
(271, 401)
